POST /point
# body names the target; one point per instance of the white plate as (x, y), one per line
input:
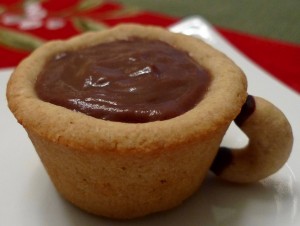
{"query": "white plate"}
(28, 197)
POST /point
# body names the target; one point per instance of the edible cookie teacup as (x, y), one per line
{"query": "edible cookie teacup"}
(128, 121)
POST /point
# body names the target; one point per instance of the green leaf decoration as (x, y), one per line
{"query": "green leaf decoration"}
(84, 24)
(124, 12)
(89, 4)
(2, 9)
(19, 40)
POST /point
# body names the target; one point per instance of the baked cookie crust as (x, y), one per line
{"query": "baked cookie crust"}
(127, 170)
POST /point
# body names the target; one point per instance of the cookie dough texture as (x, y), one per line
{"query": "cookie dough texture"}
(268, 149)
(127, 170)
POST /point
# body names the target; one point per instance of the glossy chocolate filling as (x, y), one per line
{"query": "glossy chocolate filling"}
(135, 80)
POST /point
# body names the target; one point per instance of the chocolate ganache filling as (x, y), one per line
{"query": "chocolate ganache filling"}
(135, 81)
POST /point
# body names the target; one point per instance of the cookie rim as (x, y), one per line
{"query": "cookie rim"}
(87, 134)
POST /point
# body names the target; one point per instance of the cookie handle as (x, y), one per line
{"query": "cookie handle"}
(270, 143)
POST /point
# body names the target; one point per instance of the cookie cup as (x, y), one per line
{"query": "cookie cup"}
(127, 170)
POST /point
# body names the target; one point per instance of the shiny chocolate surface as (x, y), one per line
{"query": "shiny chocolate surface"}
(134, 81)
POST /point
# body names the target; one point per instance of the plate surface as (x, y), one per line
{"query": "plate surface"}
(29, 198)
